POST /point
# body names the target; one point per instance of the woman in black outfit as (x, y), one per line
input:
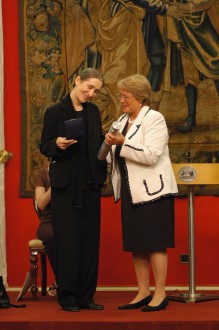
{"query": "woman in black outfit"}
(76, 177)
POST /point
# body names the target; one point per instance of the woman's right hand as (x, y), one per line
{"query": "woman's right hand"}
(64, 144)
(114, 139)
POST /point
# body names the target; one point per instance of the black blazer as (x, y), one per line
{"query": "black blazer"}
(60, 167)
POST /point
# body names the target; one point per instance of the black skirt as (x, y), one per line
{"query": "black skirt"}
(147, 227)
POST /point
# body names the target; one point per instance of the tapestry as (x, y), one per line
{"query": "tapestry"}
(180, 58)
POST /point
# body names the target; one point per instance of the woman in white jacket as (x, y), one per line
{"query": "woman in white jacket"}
(143, 178)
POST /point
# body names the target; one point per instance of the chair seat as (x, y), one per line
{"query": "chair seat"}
(36, 244)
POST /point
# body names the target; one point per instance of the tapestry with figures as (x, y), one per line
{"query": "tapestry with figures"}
(177, 50)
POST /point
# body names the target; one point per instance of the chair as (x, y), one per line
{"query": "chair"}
(36, 247)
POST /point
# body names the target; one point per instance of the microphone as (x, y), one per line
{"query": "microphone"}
(105, 148)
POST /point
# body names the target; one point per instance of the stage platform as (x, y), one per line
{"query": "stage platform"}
(45, 314)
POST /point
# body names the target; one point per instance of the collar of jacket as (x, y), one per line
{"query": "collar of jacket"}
(67, 108)
(123, 119)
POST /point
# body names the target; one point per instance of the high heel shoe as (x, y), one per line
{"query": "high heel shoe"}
(162, 305)
(140, 303)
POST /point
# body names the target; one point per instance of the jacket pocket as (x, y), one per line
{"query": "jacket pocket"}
(154, 186)
(60, 173)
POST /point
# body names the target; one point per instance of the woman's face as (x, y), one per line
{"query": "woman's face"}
(129, 103)
(87, 89)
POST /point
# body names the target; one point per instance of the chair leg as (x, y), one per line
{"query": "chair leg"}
(33, 274)
(43, 274)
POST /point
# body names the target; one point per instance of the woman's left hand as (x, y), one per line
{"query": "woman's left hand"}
(63, 144)
(114, 139)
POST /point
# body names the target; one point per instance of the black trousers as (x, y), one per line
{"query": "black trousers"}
(77, 235)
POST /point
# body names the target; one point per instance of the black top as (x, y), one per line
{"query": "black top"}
(78, 163)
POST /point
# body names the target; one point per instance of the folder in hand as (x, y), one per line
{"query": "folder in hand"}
(74, 128)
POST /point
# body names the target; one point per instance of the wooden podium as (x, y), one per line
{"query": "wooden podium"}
(191, 174)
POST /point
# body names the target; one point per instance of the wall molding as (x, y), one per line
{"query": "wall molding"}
(133, 288)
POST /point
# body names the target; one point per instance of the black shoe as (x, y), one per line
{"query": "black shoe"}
(4, 303)
(69, 308)
(93, 306)
(162, 305)
(140, 303)
(4, 299)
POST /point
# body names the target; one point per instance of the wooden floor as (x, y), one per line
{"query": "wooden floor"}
(46, 314)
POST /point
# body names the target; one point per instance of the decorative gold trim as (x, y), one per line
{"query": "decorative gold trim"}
(5, 156)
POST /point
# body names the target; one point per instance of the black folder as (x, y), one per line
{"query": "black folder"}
(74, 128)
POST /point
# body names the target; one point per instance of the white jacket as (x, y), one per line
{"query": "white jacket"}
(149, 172)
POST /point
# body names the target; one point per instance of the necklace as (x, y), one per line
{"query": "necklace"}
(131, 121)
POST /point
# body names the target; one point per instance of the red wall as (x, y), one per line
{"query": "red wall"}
(115, 265)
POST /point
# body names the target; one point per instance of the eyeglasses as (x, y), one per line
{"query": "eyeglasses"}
(124, 97)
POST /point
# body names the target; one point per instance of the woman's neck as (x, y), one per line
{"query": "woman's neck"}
(75, 102)
(133, 115)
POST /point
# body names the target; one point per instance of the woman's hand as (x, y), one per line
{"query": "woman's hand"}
(114, 139)
(64, 144)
